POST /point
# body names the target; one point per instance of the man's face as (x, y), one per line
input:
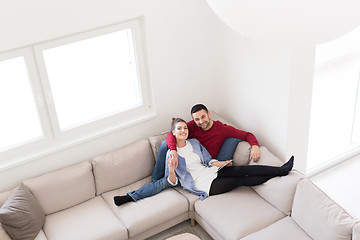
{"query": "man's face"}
(202, 119)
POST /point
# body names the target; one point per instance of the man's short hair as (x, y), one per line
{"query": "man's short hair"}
(198, 107)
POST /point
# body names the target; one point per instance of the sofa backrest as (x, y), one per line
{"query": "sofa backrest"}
(5, 195)
(155, 142)
(122, 167)
(318, 215)
(64, 188)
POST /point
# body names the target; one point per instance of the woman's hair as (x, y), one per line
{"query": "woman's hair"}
(174, 121)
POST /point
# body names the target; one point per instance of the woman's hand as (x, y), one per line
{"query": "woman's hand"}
(173, 153)
(172, 162)
(221, 163)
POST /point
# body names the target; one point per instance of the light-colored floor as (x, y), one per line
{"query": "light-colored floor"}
(182, 228)
(341, 183)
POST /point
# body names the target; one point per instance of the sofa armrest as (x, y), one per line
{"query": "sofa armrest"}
(356, 232)
(318, 215)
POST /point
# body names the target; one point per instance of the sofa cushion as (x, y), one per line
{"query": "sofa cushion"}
(285, 228)
(244, 210)
(123, 166)
(21, 215)
(5, 236)
(155, 142)
(191, 198)
(280, 191)
(91, 220)
(356, 232)
(147, 213)
(318, 215)
(63, 188)
(5, 195)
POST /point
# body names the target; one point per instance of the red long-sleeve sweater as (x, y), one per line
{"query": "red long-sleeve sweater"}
(213, 138)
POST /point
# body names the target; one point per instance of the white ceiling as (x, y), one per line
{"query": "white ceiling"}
(289, 22)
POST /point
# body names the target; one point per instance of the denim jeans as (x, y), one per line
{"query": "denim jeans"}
(227, 149)
(159, 168)
(150, 189)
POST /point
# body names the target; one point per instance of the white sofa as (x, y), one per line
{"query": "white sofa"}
(77, 202)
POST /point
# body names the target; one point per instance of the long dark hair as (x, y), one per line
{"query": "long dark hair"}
(174, 121)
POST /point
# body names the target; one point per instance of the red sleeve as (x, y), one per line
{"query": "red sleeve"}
(230, 131)
(170, 139)
(191, 126)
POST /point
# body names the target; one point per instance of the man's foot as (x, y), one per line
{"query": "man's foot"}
(120, 200)
(287, 167)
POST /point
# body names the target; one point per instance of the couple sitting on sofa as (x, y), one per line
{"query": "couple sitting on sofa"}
(197, 163)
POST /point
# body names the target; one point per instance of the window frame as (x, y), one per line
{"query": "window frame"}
(54, 139)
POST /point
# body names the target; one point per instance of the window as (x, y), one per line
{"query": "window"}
(355, 138)
(19, 118)
(335, 113)
(62, 92)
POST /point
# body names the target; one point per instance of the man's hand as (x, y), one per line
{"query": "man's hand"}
(255, 153)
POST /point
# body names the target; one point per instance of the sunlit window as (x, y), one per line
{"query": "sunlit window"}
(19, 122)
(335, 114)
(62, 92)
(93, 78)
(355, 139)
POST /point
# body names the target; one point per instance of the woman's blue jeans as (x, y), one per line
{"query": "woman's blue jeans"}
(160, 183)
(150, 189)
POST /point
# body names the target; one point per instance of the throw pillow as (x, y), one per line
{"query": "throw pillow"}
(155, 142)
(21, 215)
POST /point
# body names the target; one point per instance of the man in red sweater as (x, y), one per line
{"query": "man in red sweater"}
(219, 139)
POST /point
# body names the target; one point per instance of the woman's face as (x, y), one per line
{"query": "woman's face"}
(181, 131)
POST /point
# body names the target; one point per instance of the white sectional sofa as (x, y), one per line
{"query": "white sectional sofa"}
(77, 202)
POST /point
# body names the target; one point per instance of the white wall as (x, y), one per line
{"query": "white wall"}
(181, 40)
(267, 91)
(256, 89)
(300, 95)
